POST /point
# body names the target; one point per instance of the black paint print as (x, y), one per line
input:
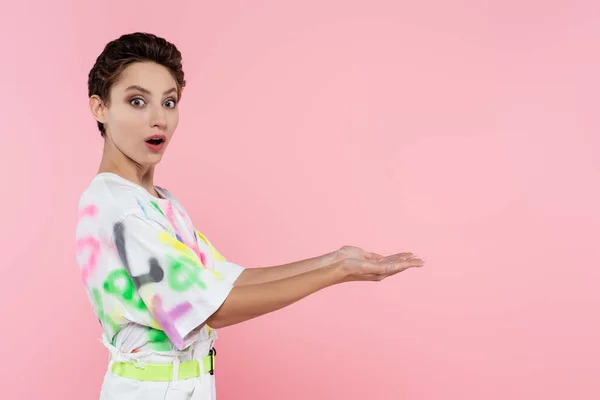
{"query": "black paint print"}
(156, 273)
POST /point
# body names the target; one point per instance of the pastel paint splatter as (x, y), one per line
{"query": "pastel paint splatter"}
(160, 346)
(91, 210)
(119, 284)
(158, 340)
(155, 205)
(186, 254)
(156, 335)
(93, 244)
(90, 265)
(104, 319)
(183, 275)
(194, 246)
(98, 304)
(181, 247)
(118, 314)
(167, 319)
(142, 207)
(213, 251)
(107, 242)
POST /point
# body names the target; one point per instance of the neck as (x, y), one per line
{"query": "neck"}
(114, 161)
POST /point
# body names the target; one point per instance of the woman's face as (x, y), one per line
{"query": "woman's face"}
(143, 112)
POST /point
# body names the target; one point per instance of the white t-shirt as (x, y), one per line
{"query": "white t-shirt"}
(152, 279)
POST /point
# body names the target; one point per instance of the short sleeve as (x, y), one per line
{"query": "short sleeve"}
(228, 270)
(179, 292)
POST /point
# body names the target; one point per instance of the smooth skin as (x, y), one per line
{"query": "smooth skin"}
(143, 102)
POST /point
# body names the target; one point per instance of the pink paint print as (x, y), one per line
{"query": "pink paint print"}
(194, 246)
(93, 244)
(88, 242)
(88, 211)
(107, 243)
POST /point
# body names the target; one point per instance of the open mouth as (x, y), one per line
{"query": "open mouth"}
(155, 141)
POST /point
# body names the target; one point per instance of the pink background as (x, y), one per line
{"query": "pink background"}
(464, 131)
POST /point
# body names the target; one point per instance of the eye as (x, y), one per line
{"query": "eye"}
(137, 102)
(170, 103)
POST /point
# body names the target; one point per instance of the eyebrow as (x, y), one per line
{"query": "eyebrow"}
(146, 91)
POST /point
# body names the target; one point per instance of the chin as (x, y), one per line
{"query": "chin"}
(151, 160)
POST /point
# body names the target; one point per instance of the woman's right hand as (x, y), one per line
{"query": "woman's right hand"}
(378, 269)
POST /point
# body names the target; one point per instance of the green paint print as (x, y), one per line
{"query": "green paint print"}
(184, 274)
(105, 320)
(158, 340)
(119, 284)
(155, 205)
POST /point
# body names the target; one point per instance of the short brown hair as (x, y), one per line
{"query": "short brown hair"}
(130, 48)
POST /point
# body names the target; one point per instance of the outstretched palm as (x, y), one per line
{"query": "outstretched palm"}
(380, 268)
(359, 254)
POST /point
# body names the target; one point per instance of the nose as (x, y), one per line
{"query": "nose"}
(158, 118)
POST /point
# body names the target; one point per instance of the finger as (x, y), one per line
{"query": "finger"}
(413, 262)
(398, 257)
(405, 264)
(390, 272)
(407, 255)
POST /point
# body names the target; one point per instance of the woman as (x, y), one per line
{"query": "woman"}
(158, 286)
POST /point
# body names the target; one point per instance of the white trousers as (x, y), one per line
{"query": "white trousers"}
(116, 387)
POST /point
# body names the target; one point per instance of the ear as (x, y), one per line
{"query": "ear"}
(98, 108)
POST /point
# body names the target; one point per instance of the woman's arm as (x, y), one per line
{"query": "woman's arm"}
(251, 301)
(254, 276)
